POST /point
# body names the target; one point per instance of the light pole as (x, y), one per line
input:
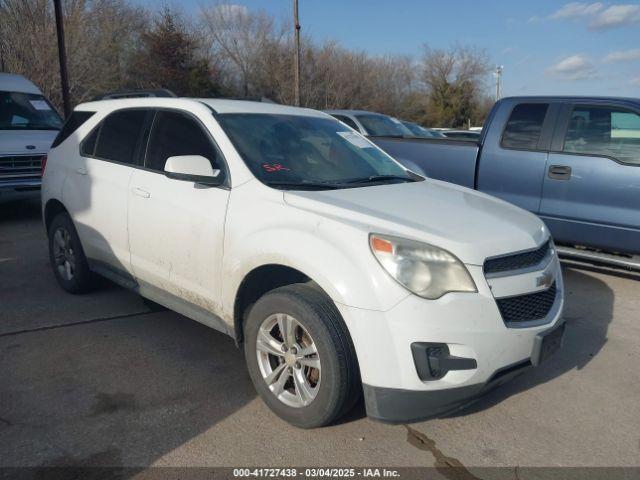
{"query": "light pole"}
(498, 74)
(62, 57)
(296, 60)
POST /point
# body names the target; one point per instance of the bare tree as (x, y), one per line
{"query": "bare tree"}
(100, 36)
(240, 37)
(233, 51)
(454, 79)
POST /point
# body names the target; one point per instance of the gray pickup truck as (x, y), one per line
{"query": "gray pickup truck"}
(574, 161)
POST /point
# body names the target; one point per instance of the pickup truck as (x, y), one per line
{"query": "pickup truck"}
(573, 161)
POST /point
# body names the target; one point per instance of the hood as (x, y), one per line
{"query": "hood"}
(471, 225)
(15, 142)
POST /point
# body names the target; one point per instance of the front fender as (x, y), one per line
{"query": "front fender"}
(336, 257)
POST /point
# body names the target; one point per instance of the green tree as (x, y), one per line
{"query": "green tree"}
(170, 56)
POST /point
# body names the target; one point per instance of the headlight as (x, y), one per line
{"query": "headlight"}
(423, 269)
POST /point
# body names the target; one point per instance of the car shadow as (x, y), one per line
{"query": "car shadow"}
(17, 210)
(588, 312)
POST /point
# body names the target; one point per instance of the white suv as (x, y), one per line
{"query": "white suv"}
(338, 270)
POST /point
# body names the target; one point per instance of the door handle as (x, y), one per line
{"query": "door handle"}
(559, 172)
(140, 192)
(81, 171)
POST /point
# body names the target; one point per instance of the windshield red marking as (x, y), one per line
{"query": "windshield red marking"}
(274, 167)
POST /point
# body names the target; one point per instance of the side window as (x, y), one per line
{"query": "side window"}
(176, 133)
(524, 126)
(608, 131)
(71, 125)
(119, 134)
(88, 145)
(347, 121)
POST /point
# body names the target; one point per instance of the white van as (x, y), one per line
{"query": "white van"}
(28, 126)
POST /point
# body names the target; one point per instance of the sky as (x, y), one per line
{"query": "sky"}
(546, 47)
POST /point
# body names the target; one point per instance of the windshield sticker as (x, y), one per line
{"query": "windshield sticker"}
(39, 104)
(355, 139)
(275, 167)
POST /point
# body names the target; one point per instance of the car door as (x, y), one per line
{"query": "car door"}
(513, 160)
(591, 193)
(96, 189)
(176, 227)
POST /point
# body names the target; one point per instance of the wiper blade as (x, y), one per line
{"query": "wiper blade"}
(305, 185)
(380, 178)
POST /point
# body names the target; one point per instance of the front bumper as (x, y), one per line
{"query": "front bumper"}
(471, 327)
(402, 406)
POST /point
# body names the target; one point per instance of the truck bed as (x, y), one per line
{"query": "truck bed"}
(443, 159)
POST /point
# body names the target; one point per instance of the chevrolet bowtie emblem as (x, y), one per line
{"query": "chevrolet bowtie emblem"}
(545, 280)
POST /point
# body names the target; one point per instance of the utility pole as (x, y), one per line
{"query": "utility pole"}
(498, 74)
(2, 66)
(296, 61)
(62, 57)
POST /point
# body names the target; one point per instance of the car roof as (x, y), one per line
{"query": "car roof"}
(571, 98)
(219, 105)
(11, 82)
(353, 112)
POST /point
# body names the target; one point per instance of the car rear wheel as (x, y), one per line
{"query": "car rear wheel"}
(67, 256)
(300, 356)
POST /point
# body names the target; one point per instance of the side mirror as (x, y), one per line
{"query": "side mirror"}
(192, 168)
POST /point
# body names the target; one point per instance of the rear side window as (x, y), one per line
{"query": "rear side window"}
(119, 135)
(88, 145)
(608, 131)
(347, 121)
(71, 125)
(173, 134)
(524, 126)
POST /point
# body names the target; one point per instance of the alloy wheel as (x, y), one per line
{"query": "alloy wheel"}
(288, 360)
(63, 254)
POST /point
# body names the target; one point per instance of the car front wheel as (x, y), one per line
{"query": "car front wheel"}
(300, 356)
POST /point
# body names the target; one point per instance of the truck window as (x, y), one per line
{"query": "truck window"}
(173, 134)
(119, 135)
(524, 126)
(606, 131)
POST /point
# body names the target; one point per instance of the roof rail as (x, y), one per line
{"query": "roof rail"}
(159, 92)
(248, 99)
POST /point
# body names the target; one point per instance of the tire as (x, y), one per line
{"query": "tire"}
(67, 257)
(336, 383)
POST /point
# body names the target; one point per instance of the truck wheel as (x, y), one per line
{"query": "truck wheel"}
(67, 257)
(300, 356)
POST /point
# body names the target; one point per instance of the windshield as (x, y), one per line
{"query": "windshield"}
(383, 126)
(293, 151)
(27, 111)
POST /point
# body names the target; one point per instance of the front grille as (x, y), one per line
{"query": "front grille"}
(20, 166)
(524, 308)
(517, 261)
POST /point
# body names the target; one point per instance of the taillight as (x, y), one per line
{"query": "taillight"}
(44, 165)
